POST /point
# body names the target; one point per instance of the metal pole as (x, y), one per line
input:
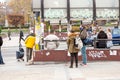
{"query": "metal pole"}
(119, 13)
(94, 10)
(42, 10)
(6, 22)
(68, 11)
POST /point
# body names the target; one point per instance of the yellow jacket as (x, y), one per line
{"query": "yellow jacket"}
(30, 41)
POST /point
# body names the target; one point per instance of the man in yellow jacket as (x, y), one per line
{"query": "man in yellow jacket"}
(29, 43)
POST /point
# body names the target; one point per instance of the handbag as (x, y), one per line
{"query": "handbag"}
(109, 44)
(78, 43)
(79, 53)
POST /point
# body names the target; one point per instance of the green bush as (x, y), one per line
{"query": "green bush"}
(0, 29)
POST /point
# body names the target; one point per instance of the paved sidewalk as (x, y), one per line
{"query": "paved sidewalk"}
(13, 70)
(12, 43)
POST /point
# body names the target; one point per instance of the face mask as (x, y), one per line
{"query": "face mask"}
(81, 28)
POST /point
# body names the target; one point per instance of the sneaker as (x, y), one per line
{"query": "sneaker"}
(30, 62)
(83, 64)
(71, 67)
(27, 64)
(76, 65)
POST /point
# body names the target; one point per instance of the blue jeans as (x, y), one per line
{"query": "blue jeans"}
(84, 55)
(1, 59)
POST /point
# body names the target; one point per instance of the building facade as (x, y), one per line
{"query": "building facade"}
(76, 9)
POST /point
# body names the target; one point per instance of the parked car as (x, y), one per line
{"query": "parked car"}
(116, 35)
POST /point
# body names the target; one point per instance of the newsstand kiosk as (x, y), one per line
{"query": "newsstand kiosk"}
(60, 53)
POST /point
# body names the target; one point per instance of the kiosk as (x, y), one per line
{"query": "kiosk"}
(60, 53)
(62, 11)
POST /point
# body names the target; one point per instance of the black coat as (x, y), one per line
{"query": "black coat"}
(1, 41)
(101, 43)
(21, 34)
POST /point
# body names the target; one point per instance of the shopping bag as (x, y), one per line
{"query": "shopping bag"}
(79, 53)
(109, 44)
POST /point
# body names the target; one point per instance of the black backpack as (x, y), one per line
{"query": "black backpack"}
(21, 49)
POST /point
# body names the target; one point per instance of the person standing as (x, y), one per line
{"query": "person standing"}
(52, 42)
(109, 34)
(109, 41)
(21, 36)
(1, 59)
(29, 43)
(83, 36)
(71, 48)
(102, 43)
(9, 34)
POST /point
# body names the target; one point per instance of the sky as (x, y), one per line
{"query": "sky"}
(2, 0)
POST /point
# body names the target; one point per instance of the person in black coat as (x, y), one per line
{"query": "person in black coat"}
(1, 59)
(9, 34)
(21, 36)
(102, 43)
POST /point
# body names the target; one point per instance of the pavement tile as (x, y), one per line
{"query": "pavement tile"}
(13, 70)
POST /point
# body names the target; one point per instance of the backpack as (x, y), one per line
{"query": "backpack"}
(78, 43)
(21, 49)
(83, 34)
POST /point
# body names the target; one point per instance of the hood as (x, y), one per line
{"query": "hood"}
(72, 35)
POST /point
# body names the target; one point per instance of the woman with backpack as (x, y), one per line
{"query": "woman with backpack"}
(83, 36)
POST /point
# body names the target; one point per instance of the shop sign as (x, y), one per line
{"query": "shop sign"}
(106, 13)
(55, 13)
(81, 13)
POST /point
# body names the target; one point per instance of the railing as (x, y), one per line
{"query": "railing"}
(96, 40)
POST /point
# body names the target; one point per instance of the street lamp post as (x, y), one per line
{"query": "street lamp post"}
(6, 21)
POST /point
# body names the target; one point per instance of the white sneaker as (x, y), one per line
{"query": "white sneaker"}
(83, 64)
(30, 62)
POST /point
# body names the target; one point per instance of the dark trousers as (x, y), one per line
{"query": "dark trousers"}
(74, 55)
(1, 59)
(29, 53)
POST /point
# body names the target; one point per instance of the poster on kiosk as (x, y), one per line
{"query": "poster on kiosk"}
(47, 36)
(39, 31)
